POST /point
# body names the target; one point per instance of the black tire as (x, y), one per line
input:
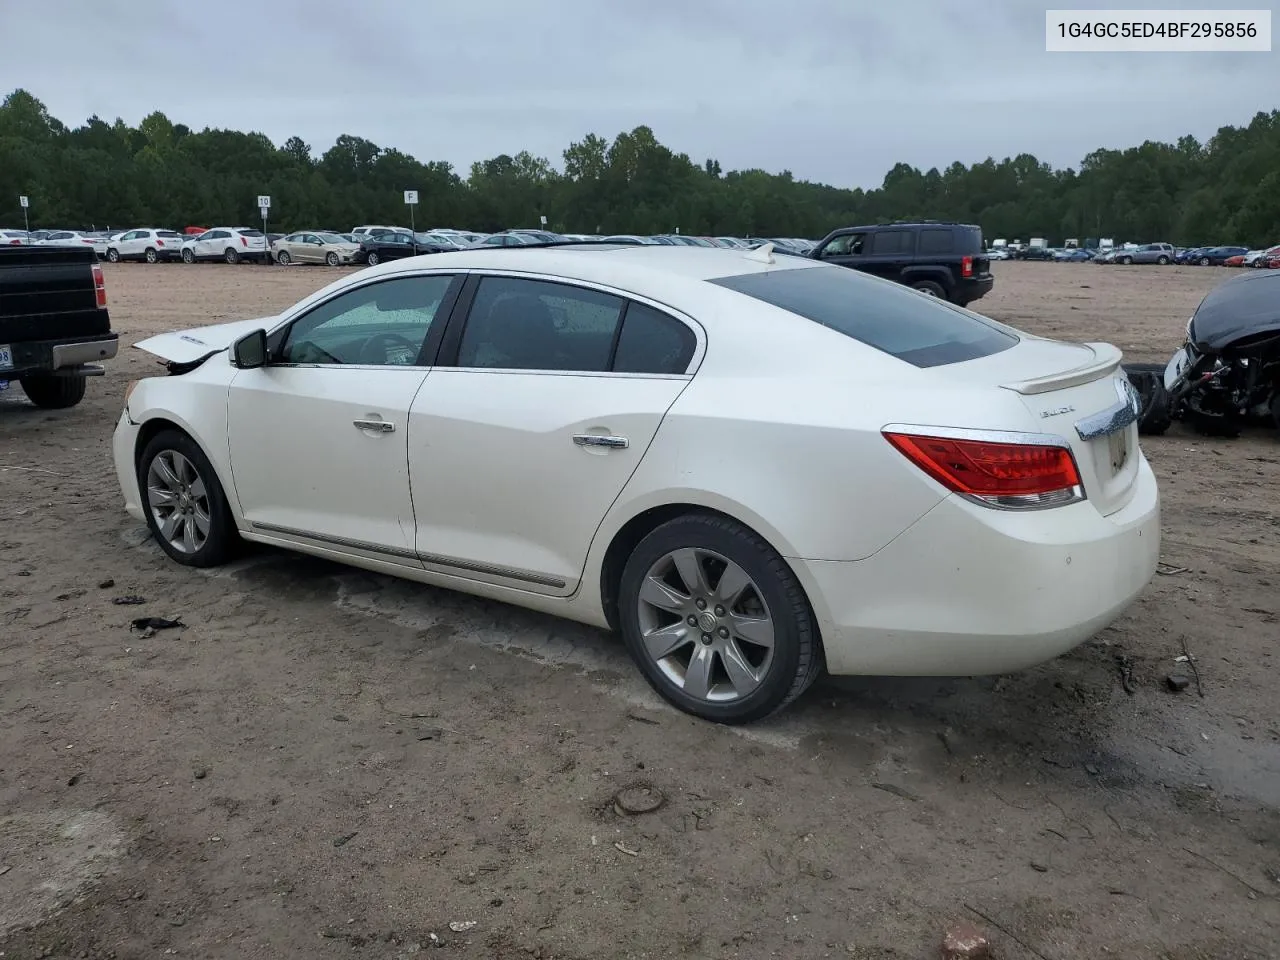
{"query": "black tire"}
(930, 288)
(1211, 422)
(331, 259)
(1162, 260)
(231, 256)
(1127, 261)
(151, 256)
(113, 255)
(372, 259)
(54, 393)
(1203, 261)
(188, 256)
(1154, 419)
(221, 543)
(797, 651)
(283, 258)
(1275, 409)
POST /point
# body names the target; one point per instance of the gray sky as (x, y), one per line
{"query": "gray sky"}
(834, 90)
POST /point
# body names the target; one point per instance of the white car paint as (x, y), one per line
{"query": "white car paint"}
(75, 238)
(776, 422)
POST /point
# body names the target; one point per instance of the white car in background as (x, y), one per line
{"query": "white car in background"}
(14, 238)
(753, 466)
(149, 245)
(76, 238)
(229, 244)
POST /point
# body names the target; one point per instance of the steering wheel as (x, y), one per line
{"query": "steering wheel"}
(386, 342)
(305, 350)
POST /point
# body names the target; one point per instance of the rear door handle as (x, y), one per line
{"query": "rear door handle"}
(595, 440)
(380, 426)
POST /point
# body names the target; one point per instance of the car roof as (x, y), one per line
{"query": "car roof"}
(624, 265)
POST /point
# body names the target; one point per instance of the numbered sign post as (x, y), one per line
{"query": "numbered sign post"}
(411, 201)
(264, 208)
(543, 218)
(23, 202)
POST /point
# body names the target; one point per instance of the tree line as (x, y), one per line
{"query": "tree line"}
(161, 173)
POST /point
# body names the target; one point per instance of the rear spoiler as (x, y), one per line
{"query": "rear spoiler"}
(1106, 361)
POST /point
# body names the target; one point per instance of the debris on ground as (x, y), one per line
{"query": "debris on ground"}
(461, 926)
(1169, 570)
(964, 941)
(1177, 682)
(343, 840)
(638, 798)
(1195, 670)
(627, 850)
(129, 601)
(155, 623)
(1126, 673)
(106, 584)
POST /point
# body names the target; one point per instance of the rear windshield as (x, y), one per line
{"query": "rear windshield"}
(923, 331)
(168, 233)
(250, 233)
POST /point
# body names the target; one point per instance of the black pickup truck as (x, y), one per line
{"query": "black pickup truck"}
(946, 260)
(54, 322)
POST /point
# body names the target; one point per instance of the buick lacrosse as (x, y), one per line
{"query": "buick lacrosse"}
(753, 466)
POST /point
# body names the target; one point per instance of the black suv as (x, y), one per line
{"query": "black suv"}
(945, 260)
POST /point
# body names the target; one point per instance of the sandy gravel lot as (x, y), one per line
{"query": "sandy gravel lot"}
(327, 763)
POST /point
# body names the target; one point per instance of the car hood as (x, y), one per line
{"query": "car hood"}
(198, 343)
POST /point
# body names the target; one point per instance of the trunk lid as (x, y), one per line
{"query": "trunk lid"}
(1077, 392)
(188, 346)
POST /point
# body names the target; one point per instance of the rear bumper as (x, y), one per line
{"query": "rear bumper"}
(971, 591)
(967, 291)
(51, 356)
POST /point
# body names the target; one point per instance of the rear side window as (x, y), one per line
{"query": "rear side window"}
(890, 242)
(922, 331)
(653, 342)
(936, 241)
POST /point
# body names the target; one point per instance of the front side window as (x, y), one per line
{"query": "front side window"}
(517, 324)
(380, 324)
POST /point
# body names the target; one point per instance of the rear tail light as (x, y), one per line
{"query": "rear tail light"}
(15, 243)
(99, 287)
(966, 266)
(244, 242)
(1002, 474)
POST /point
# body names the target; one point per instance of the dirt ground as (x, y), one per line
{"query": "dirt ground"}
(328, 763)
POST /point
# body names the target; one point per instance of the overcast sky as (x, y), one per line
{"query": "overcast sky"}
(833, 90)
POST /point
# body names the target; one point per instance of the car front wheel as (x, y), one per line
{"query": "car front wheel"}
(717, 621)
(184, 502)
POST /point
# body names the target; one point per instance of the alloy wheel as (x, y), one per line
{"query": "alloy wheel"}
(179, 501)
(705, 625)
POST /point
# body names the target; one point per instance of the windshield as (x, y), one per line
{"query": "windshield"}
(922, 331)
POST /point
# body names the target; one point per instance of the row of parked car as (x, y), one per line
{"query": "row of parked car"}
(367, 244)
(1161, 254)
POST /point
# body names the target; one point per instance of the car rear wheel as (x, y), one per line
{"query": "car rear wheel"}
(1127, 261)
(184, 502)
(717, 621)
(331, 259)
(188, 256)
(372, 259)
(929, 288)
(283, 258)
(231, 256)
(1163, 261)
(113, 255)
(150, 256)
(1204, 261)
(54, 393)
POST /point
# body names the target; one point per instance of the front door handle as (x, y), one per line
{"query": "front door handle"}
(379, 426)
(595, 440)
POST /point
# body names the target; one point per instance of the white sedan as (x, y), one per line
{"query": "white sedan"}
(752, 466)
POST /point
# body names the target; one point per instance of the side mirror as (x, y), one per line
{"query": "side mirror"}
(250, 351)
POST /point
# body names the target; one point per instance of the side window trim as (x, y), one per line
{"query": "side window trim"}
(430, 346)
(447, 355)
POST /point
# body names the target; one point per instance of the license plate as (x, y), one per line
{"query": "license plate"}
(1118, 444)
(6, 357)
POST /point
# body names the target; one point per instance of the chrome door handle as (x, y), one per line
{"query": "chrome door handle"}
(381, 426)
(594, 440)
